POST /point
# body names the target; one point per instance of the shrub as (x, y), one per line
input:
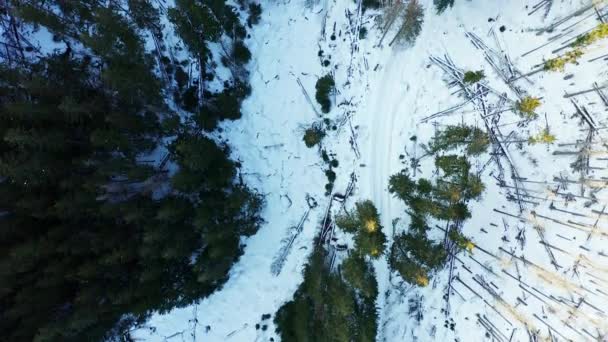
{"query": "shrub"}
(331, 176)
(313, 136)
(324, 156)
(600, 32)
(324, 87)
(472, 77)
(559, 63)
(527, 106)
(362, 32)
(544, 137)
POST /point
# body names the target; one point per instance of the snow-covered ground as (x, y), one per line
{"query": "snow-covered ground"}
(555, 286)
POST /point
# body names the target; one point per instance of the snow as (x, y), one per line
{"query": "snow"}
(386, 92)
(268, 141)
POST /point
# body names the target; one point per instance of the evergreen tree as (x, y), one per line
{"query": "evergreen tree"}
(413, 254)
(324, 87)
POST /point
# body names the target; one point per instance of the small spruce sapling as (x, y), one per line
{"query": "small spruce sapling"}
(313, 136)
(472, 77)
(559, 63)
(324, 87)
(527, 106)
(362, 33)
(544, 137)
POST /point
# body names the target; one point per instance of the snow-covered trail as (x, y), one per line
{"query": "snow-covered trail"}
(379, 158)
(389, 116)
(382, 112)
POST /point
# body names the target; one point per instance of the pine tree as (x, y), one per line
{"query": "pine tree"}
(413, 254)
(324, 87)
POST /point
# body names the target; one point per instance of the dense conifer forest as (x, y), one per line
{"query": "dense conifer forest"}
(114, 202)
